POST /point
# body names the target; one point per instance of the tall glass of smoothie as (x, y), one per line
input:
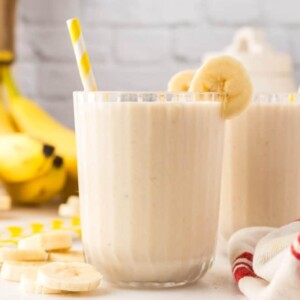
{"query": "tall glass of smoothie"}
(261, 179)
(149, 177)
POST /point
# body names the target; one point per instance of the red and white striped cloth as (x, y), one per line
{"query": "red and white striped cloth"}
(266, 262)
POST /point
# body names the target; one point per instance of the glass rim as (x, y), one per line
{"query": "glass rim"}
(147, 93)
(145, 97)
(281, 94)
(276, 98)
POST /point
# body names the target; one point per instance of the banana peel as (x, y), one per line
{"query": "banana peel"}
(6, 123)
(30, 118)
(20, 114)
(23, 158)
(42, 189)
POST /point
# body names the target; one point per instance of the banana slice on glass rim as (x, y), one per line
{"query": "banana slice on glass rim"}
(181, 81)
(225, 74)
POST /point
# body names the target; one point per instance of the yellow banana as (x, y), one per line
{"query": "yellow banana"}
(23, 158)
(6, 125)
(6, 57)
(30, 118)
(41, 189)
(44, 128)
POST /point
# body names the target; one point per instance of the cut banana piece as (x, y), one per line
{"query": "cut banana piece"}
(13, 270)
(10, 254)
(73, 200)
(71, 208)
(72, 277)
(5, 202)
(55, 240)
(225, 74)
(66, 256)
(64, 210)
(180, 82)
(28, 283)
(67, 210)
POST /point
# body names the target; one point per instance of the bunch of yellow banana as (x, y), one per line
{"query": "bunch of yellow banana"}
(37, 154)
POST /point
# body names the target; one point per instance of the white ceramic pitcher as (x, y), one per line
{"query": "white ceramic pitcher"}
(271, 71)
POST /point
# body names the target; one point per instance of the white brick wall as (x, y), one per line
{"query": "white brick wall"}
(142, 45)
(136, 44)
(141, 12)
(190, 42)
(283, 12)
(41, 12)
(239, 12)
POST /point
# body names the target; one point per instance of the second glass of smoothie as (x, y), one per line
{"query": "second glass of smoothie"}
(149, 176)
(261, 173)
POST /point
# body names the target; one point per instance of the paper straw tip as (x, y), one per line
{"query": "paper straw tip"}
(69, 21)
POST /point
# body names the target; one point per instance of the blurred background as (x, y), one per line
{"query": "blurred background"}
(136, 44)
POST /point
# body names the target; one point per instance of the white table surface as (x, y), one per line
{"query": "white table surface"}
(216, 285)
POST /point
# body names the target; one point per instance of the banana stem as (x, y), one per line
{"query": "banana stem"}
(13, 90)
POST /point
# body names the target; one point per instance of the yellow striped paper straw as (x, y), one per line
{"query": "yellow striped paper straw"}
(81, 54)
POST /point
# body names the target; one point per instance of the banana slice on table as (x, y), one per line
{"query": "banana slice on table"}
(181, 81)
(28, 283)
(11, 254)
(66, 210)
(71, 208)
(71, 277)
(73, 200)
(13, 270)
(226, 75)
(5, 202)
(55, 240)
(66, 256)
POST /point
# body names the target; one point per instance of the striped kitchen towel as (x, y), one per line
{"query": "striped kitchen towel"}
(266, 262)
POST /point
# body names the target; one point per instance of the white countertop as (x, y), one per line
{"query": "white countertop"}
(216, 285)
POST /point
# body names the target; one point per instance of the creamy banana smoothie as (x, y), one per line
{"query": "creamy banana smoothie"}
(149, 184)
(262, 166)
(150, 167)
